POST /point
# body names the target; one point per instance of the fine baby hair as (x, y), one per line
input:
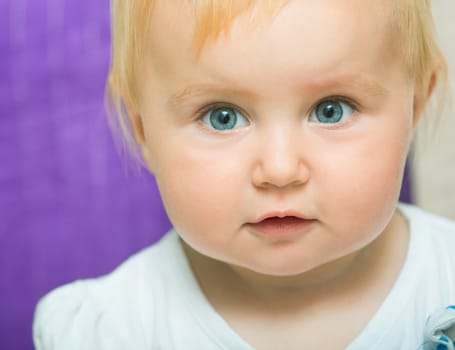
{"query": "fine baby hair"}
(277, 132)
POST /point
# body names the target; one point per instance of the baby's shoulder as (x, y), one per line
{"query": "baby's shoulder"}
(432, 243)
(109, 312)
(64, 315)
(423, 222)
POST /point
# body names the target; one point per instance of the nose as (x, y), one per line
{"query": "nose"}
(280, 160)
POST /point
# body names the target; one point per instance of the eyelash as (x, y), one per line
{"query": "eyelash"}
(212, 106)
(353, 104)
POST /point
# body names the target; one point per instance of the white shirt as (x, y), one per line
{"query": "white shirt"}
(152, 301)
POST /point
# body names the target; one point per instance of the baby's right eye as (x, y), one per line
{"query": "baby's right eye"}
(224, 118)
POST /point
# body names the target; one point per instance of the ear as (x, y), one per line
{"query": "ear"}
(137, 124)
(422, 95)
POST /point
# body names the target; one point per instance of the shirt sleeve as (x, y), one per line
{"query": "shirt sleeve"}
(95, 314)
(66, 318)
(112, 312)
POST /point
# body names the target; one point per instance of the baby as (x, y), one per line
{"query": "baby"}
(278, 133)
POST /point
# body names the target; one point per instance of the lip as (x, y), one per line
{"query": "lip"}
(281, 224)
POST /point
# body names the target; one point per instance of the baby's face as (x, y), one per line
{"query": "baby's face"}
(279, 148)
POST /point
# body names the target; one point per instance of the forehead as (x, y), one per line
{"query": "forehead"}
(194, 26)
(207, 19)
(343, 26)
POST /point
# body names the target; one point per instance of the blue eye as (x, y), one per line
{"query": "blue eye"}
(224, 118)
(331, 112)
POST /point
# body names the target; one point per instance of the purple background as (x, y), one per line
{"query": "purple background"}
(68, 206)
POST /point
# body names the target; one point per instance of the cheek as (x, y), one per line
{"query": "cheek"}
(363, 182)
(200, 192)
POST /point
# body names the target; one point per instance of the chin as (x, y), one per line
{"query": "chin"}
(285, 270)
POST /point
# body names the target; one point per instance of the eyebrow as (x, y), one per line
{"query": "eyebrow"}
(198, 90)
(368, 86)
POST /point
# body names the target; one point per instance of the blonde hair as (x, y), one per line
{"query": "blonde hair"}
(130, 25)
(419, 47)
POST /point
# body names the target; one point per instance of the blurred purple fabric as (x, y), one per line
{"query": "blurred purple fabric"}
(68, 207)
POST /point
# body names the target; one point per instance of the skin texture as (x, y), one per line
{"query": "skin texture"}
(344, 178)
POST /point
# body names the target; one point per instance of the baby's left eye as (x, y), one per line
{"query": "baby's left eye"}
(331, 112)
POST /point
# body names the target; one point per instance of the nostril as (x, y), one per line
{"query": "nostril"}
(281, 177)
